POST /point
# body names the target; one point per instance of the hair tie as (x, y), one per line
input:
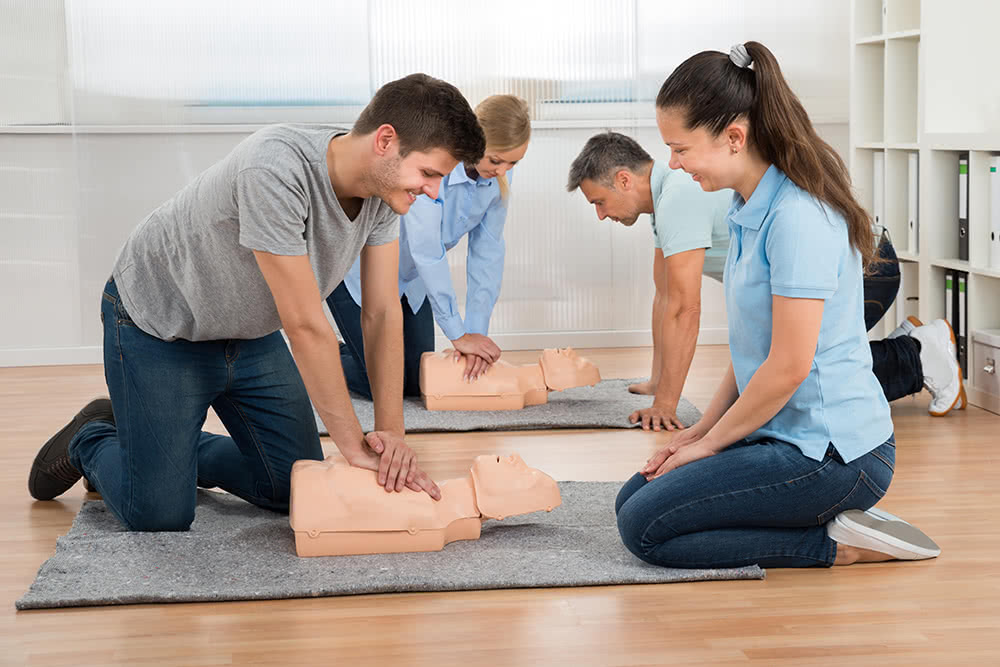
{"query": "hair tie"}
(739, 56)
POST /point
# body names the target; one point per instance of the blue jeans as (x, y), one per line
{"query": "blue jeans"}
(895, 361)
(149, 465)
(418, 337)
(761, 502)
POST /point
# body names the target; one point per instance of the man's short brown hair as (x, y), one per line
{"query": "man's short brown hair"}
(427, 113)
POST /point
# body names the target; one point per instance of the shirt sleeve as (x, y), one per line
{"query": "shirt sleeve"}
(684, 218)
(485, 267)
(272, 212)
(423, 235)
(804, 247)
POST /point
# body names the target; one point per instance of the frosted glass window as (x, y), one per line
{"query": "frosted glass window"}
(560, 55)
(129, 59)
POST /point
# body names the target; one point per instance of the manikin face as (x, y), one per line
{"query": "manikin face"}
(617, 201)
(497, 163)
(400, 180)
(708, 159)
(505, 486)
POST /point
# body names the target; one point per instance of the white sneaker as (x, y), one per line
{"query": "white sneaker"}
(906, 327)
(882, 532)
(942, 376)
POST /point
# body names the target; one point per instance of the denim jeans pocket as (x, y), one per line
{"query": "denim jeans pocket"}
(864, 495)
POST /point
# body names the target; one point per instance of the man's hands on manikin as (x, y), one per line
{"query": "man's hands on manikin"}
(480, 353)
(388, 455)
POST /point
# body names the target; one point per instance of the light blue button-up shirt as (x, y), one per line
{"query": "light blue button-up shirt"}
(431, 228)
(785, 242)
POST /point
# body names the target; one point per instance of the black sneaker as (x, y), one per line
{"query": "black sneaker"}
(52, 473)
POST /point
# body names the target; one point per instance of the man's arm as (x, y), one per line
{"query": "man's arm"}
(314, 346)
(678, 335)
(317, 355)
(382, 328)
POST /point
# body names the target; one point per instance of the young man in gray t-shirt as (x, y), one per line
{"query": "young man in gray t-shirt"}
(202, 286)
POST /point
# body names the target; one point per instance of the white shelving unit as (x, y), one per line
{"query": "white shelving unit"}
(920, 84)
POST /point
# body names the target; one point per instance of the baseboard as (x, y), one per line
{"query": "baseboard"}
(983, 400)
(537, 340)
(52, 356)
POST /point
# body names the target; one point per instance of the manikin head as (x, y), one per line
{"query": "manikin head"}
(563, 368)
(506, 486)
(612, 171)
(506, 123)
(420, 128)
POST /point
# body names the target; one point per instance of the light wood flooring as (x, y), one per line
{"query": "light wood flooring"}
(944, 611)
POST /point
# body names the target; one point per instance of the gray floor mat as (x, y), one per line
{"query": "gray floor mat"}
(236, 551)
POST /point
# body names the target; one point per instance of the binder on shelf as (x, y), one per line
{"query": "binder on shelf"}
(963, 206)
(949, 299)
(878, 191)
(995, 213)
(963, 324)
(912, 205)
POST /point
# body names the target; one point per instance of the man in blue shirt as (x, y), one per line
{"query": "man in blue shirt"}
(622, 181)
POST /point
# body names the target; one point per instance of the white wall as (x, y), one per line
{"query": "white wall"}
(70, 193)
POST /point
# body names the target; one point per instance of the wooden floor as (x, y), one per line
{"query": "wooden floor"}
(945, 611)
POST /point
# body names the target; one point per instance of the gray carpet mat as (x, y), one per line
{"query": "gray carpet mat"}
(236, 551)
(605, 405)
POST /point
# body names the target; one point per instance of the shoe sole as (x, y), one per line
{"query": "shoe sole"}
(883, 533)
(961, 385)
(87, 414)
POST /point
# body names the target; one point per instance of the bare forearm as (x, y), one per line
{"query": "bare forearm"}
(317, 356)
(678, 339)
(659, 304)
(722, 399)
(383, 335)
(767, 392)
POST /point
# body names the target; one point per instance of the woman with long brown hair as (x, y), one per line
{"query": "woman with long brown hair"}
(797, 444)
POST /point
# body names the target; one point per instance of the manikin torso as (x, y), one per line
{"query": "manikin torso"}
(337, 509)
(504, 386)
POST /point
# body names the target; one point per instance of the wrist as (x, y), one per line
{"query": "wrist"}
(663, 402)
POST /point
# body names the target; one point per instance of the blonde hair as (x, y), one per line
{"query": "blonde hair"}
(506, 122)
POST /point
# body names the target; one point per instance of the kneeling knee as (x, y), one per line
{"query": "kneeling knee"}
(162, 521)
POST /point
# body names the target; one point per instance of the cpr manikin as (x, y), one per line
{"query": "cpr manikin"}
(340, 510)
(504, 386)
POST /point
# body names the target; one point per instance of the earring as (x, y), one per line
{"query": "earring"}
(734, 150)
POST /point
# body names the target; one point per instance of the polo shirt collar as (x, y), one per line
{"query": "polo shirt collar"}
(752, 213)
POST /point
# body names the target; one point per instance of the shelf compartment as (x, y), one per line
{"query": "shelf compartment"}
(896, 197)
(868, 94)
(939, 206)
(902, 16)
(868, 18)
(901, 95)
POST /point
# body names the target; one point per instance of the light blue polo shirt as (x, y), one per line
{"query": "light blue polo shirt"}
(785, 242)
(686, 217)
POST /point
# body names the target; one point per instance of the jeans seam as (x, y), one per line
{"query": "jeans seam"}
(835, 510)
(884, 460)
(256, 442)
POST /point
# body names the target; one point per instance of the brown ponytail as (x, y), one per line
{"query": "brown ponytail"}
(712, 92)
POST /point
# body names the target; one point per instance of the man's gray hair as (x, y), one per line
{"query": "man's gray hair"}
(603, 156)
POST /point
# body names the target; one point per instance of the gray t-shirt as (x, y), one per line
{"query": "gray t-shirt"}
(188, 271)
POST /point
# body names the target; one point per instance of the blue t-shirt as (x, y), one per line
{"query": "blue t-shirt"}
(686, 217)
(784, 242)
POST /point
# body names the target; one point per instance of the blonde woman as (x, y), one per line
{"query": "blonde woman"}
(472, 200)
